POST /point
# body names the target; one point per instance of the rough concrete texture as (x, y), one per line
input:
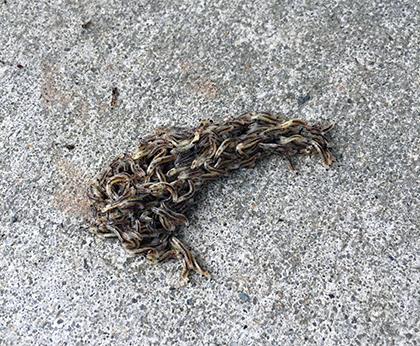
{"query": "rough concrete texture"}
(320, 257)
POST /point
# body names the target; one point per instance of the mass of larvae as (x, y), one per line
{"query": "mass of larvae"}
(144, 198)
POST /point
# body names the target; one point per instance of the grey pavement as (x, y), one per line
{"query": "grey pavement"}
(318, 257)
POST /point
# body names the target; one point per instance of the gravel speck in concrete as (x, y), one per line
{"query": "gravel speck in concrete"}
(244, 297)
(288, 240)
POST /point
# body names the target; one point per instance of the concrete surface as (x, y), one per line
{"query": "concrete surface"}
(322, 257)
